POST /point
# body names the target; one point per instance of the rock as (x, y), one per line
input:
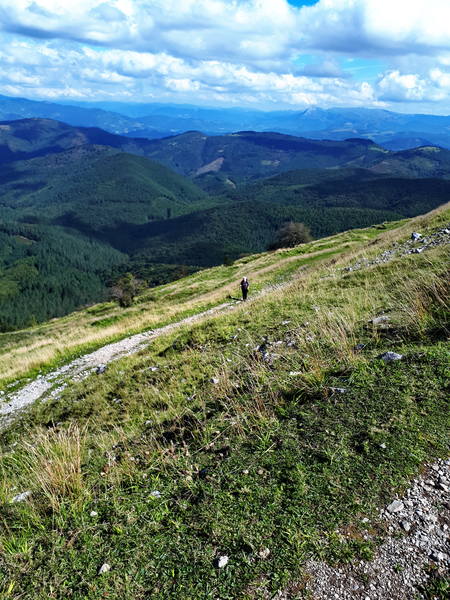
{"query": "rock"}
(222, 561)
(93, 513)
(155, 494)
(295, 373)
(415, 236)
(264, 553)
(438, 556)
(383, 446)
(359, 347)
(285, 322)
(395, 506)
(338, 390)
(406, 525)
(380, 320)
(100, 369)
(390, 356)
(22, 496)
(214, 380)
(418, 250)
(104, 569)
(153, 369)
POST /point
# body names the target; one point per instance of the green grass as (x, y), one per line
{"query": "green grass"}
(269, 457)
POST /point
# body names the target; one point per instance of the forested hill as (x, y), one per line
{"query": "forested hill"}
(237, 157)
(54, 211)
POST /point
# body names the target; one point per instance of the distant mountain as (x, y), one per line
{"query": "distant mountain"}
(249, 155)
(21, 108)
(239, 156)
(395, 131)
(61, 217)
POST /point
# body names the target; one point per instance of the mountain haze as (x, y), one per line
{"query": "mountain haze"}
(392, 130)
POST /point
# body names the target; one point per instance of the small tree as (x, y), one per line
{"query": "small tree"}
(291, 234)
(125, 289)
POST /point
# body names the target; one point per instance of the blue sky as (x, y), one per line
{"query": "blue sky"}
(265, 54)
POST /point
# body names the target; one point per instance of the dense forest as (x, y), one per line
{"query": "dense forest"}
(77, 213)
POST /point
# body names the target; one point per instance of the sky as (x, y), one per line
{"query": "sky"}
(263, 54)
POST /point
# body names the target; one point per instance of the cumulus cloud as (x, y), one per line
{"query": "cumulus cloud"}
(230, 51)
(396, 87)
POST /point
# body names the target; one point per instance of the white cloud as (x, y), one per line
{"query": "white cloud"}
(397, 87)
(229, 51)
(377, 26)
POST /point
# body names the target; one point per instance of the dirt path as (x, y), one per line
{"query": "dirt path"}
(54, 382)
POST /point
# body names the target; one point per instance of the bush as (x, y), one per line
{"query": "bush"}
(291, 234)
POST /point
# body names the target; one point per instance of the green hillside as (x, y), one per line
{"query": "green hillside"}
(271, 433)
(55, 215)
(47, 272)
(207, 237)
(347, 188)
(249, 155)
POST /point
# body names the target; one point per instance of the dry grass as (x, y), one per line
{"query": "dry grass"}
(52, 465)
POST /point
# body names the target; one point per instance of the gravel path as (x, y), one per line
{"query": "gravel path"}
(418, 527)
(54, 382)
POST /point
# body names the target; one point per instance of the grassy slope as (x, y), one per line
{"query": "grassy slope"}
(24, 352)
(268, 457)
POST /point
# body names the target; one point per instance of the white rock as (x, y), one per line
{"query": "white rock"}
(390, 356)
(155, 494)
(22, 496)
(104, 568)
(406, 526)
(214, 380)
(264, 553)
(222, 561)
(395, 506)
(93, 513)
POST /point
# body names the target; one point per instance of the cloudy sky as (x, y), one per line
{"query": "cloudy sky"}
(261, 53)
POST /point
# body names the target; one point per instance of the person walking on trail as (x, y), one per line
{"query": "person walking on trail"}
(244, 287)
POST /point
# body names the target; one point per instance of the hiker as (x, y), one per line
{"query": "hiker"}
(244, 287)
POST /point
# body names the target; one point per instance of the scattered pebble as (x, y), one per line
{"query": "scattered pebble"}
(417, 536)
(222, 561)
(395, 506)
(390, 356)
(22, 496)
(104, 569)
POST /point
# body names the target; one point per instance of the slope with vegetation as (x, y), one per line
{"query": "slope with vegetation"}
(252, 436)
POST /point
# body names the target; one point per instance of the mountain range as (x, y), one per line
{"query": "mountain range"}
(392, 130)
(79, 206)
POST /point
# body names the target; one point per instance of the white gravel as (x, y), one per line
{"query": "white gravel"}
(53, 383)
(418, 527)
